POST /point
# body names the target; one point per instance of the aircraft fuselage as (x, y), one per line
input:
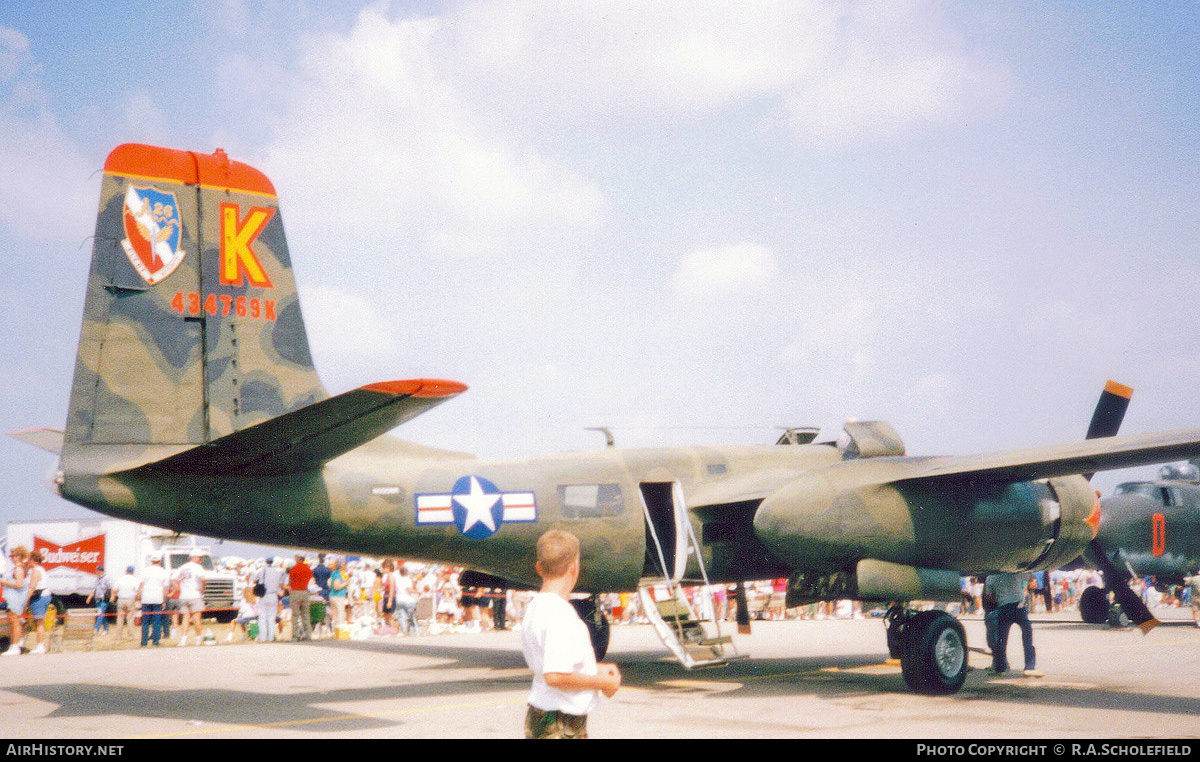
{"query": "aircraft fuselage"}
(824, 514)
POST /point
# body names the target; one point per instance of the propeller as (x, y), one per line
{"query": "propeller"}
(1106, 421)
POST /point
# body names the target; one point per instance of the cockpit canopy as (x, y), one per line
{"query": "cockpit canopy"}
(1187, 472)
(1157, 491)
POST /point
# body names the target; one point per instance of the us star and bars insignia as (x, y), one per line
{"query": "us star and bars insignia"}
(477, 507)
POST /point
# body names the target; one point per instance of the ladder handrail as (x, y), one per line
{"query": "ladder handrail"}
(674, 586)
(694, 547)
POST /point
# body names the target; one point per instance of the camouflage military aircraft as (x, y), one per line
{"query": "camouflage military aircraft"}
(1131, 538)
(195, 406)
(1151, 529)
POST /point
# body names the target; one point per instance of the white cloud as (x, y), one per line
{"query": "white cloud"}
(715, 274)
(576, 59)
(375, 115)
(14, 53)
(344, 327)
(842, 72)
(144, 120)
(47, 194)
(452, 125)
(893, 68)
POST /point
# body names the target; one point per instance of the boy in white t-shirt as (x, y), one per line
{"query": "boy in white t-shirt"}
(567, 681)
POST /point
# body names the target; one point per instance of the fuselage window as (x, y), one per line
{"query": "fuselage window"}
(590, 501)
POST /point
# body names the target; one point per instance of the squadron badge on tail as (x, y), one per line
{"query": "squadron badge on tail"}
(152, 233)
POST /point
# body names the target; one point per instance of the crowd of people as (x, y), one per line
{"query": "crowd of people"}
(327, 596)
(356, 598)
(24, 591)
(1056, 591)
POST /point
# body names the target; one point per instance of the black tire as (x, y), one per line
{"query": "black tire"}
(935, 654)
(1093, 605)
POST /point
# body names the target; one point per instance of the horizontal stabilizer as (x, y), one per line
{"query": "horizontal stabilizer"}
(1104, 454)
(312, 435)
(49, 440)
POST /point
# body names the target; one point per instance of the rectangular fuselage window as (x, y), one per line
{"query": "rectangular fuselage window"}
(590, 501)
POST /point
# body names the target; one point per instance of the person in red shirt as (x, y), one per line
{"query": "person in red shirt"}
(298, 578)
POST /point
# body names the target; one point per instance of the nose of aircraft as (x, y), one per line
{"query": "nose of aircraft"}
(1122, 512)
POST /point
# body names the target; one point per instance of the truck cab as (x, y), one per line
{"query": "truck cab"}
(218, 586)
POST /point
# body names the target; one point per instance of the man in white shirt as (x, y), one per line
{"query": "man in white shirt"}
(1009, 591)
(152, 592)
(126, 590)
(190, 578)
(406, 600)
(1193, 584)
(567, 681)
(272, 578)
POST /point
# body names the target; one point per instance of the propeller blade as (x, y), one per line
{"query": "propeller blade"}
(1116, 581)
(1110, 411)
(1106, 421)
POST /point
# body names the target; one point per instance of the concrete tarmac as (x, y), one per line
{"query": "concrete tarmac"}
(822, 679)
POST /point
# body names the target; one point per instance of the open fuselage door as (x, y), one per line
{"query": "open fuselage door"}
(696, 641)
(666, 531)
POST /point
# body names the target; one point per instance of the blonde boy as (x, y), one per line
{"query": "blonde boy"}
(567, 681)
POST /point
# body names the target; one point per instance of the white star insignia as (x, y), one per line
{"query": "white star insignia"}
(478, 505)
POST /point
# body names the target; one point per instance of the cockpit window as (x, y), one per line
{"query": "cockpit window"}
(1140, 488)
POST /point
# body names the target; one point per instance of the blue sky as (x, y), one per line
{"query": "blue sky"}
(692, 222)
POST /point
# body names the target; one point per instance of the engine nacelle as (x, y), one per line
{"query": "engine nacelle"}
(832, 519)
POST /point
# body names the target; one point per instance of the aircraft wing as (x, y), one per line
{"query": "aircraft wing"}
(312, 435)
(1085, 457)
(752, 487)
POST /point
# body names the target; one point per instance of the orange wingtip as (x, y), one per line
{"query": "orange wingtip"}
(1121, 390)
(215, 170)
(419, 387)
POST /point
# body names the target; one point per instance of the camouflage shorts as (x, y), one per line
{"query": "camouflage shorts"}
(541, 724)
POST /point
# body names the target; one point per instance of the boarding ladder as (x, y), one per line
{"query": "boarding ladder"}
(694, 640)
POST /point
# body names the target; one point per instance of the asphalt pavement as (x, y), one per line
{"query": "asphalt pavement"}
(808, 679)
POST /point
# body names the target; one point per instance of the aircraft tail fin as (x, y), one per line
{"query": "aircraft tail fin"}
(192, 328)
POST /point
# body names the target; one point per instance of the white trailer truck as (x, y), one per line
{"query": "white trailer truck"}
(74, 549)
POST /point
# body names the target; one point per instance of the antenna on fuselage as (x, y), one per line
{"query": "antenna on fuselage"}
(608, 437)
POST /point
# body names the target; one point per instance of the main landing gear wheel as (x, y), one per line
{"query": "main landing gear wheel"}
(894, 623)
(1093, 606)
(934, 660)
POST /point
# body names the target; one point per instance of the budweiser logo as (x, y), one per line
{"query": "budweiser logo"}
(84, 555)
